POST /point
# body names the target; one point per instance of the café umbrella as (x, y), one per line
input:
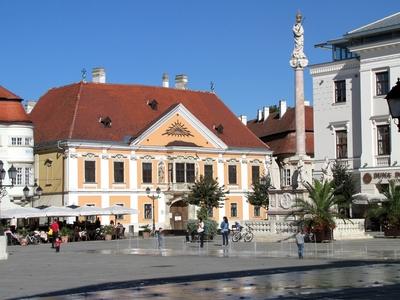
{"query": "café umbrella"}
(54, 211)
(20, 213)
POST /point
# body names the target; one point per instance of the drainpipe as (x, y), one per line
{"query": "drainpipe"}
(63, 173)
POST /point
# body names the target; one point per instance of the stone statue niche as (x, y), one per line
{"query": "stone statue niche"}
(161, 172)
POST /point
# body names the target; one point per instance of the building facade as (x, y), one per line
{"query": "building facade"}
(104, 144)
(16, 147)
(351, 115)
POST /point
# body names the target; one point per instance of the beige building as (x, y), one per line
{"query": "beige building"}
(104, 144)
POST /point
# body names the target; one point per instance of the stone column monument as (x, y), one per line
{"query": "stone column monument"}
(298, 62)
(301, 162)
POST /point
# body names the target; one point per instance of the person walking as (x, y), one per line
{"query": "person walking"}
(57, 243)
(160, 238)
(200, 231)
(300, 243)
(225, 231)
(55, 228)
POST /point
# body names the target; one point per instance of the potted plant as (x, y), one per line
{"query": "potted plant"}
(146, 231)
(108, 232)
(318, 212)
(22, 233)
(388, 213)
(65, 233)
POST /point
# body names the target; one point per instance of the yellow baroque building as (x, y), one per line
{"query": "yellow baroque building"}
(103, 144)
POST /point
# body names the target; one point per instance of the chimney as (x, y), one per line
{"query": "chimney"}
(265, 112)
(29, 106)
(165, 80)
(306, 103)
(282, 108)
(259, 115)
(243, 119)
(181, 82)
(99, 75)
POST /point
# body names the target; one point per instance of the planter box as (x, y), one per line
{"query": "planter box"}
(392, 231)
(323, 235)
(146, 234)
(65, 238)
(108, 237)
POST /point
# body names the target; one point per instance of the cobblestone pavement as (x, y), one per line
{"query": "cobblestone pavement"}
(135, 268)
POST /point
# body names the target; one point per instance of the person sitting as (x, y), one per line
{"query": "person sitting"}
(12, 239)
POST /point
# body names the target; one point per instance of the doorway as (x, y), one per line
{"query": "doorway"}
(179, 215)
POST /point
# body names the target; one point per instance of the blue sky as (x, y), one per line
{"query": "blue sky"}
(244, 47)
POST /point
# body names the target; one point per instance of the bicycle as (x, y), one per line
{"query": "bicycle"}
(247, 235)
(32, 239)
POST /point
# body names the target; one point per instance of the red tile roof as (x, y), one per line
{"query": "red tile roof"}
(73, 112)
(11, 109)
(279, 134)
(7, 95)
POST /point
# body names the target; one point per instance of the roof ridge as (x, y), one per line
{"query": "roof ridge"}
(78, 97)
(372, 23)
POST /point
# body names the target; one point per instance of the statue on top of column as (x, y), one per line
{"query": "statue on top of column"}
(299, 59)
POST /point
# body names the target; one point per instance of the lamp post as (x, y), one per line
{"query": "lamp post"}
(393, 99)
(153, 197)
(12, 174)
(37, 192)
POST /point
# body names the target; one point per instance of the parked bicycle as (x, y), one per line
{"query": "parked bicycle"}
(32, 238)
(246, 234)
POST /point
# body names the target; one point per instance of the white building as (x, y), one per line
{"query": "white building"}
(351, 116)
(16, 147)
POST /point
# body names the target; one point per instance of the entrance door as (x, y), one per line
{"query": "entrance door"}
(179, 212)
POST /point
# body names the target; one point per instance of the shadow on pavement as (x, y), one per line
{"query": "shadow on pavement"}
(341, 294)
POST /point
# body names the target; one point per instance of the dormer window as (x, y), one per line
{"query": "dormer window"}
(219, 128)
(106, 121)
(153, 104)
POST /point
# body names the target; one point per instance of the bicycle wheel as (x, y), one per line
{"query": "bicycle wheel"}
(248, 237)
(236, 237)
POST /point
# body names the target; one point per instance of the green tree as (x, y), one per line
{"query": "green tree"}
(389, 212)
(207, 194)
(260, 194)
(319, 211)
(343, 185)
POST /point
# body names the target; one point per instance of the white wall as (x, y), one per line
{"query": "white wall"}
(19, 156)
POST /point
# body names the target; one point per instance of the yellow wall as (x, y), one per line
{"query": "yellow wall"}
(158, 138)
(112, 183)
(238, 174)
(263, 213)
(227, 204)
(142, 200)
(85, 200)
(81, 173)
(50, 172)
(125, 200)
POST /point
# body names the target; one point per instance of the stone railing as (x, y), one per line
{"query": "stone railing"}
(350, 229)
(280, 230)
(382, 160)
(3, 247)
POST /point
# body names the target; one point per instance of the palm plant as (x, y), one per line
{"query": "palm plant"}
(389, 212)
(319, 211)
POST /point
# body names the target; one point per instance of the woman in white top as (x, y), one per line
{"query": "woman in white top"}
(200, 231)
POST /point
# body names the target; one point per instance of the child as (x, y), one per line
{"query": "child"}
(57, 243)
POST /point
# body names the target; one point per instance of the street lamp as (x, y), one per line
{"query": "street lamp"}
(37, 192)
(153, 197)
(393, 99)
(12, 174)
